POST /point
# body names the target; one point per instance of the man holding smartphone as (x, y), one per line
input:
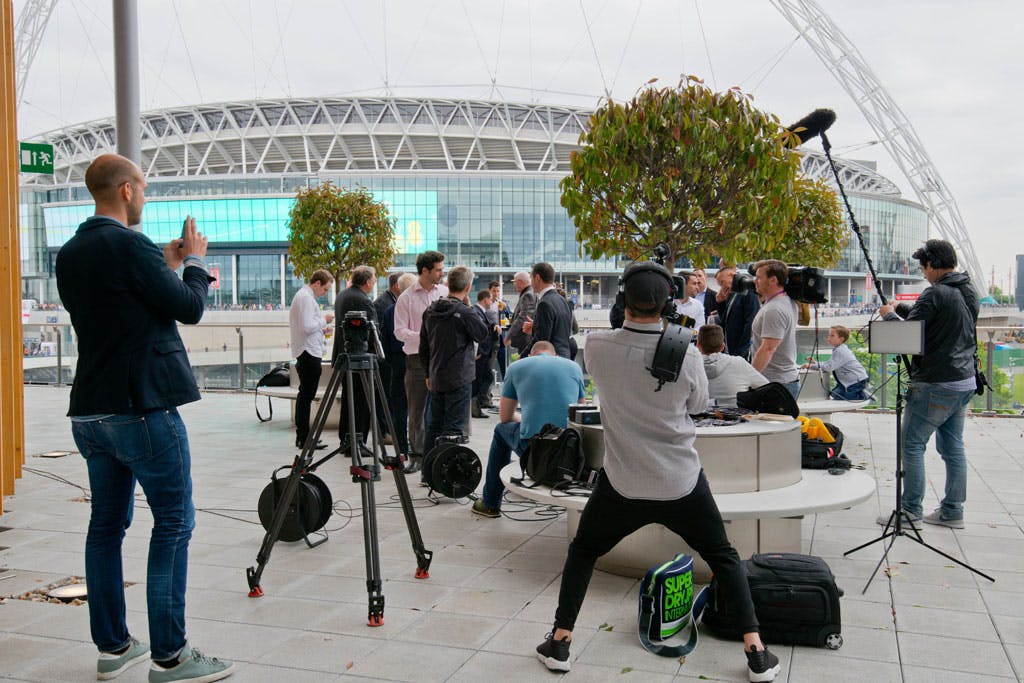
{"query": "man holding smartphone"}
(124, 299)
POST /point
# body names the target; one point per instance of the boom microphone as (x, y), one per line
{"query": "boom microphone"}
(812, 125)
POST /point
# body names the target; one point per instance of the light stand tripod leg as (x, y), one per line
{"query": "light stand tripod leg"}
(283, 505)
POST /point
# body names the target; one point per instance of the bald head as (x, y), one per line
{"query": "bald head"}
(109, 172)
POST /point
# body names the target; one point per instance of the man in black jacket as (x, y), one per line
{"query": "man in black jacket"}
(448, 341)
(552, 321)
(942, 383)
(735, 311)
(355, 297)
(133, 372)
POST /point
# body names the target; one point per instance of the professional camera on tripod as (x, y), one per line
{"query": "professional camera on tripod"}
(294, 507)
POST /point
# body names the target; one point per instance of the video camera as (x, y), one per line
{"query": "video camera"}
(805, 284)
(357, 330)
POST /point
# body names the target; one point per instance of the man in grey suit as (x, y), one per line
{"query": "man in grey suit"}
(525, 308)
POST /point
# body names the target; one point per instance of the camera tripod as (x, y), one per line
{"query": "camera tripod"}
(291, 521)
(899, 520)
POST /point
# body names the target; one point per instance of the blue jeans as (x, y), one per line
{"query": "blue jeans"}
(854, 392)
(447, 412)
(931, 410)
(505, 440)
(793, 388)
(153, 449)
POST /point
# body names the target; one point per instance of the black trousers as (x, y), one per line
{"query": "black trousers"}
(609, 517)
(308, 369)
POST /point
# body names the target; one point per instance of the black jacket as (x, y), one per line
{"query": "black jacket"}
(351, 299)
(124, 301)
(447, 343)
(552, 322)
(949, 309)
(382, 303)
(736, 315)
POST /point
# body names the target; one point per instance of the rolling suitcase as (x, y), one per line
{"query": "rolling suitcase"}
(796, 600)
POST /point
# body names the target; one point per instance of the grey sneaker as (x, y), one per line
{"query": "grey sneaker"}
(192, 666)
(110, 665)
(915, 522)
(937, 518)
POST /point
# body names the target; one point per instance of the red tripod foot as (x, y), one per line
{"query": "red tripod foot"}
(256, 592)
(422, 573)
(375, 620)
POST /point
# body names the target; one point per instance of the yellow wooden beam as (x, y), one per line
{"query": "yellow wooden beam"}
(12, 397)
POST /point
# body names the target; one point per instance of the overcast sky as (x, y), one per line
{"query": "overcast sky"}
(954, 68)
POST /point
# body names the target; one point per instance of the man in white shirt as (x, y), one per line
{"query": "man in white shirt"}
(408, 320)
(690, 306)
(308, 326)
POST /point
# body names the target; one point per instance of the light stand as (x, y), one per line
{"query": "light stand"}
(291, 520)
(901, 338)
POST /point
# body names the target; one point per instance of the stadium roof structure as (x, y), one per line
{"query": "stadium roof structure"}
(360, 135)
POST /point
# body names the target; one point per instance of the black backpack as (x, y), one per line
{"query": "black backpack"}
(554, 458)
(773, 398)
(815, 454)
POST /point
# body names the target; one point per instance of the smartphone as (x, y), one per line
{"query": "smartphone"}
(184, 227)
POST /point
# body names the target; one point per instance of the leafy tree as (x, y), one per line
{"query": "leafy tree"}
(705, 172)
(818, 234)
(338, 229)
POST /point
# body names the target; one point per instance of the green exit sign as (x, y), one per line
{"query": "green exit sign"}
(36, 157)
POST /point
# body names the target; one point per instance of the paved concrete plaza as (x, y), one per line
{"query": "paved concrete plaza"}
(493, 583)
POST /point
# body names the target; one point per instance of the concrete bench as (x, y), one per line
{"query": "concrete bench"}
(814, 400)
(754, 471)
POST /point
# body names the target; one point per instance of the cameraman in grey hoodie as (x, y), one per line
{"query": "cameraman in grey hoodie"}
(727, 375)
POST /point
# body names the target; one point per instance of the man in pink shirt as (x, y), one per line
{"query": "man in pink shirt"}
(408, 319)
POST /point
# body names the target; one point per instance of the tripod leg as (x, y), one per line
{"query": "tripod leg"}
(423, 556)
(364, 475)
(949, 557)
(299, 466)
(884, 558)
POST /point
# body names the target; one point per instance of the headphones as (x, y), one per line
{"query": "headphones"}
(638, 267)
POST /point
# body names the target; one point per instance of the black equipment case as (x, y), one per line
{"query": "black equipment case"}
(795, 597)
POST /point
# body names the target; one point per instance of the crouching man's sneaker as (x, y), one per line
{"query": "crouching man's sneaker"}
(762, 665)
(109, 665)
(555, 653)
(192, 666)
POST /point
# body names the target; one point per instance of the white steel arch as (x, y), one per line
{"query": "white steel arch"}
(846, 64)
(28, 32)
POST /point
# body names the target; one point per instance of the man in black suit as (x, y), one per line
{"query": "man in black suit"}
(133, 372)
(552, 321)
(355, 297)
(735, 313)
(381, 304)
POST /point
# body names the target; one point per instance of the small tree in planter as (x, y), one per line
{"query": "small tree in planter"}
(338, 229)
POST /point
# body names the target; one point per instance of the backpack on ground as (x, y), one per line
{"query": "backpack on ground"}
(667, 606)
(554, 458)
(772, 398)
(796, 600)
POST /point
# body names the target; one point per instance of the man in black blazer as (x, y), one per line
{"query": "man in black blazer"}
(552, 321)
(133, 372)
(735, 313)
(356, 297)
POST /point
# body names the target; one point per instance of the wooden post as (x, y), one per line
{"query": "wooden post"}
(12, 398)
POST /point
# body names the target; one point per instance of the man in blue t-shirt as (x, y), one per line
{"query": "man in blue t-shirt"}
(544, 385)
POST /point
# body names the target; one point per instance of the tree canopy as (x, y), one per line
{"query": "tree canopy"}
(818, 233)
(338, 229)
(705, 172)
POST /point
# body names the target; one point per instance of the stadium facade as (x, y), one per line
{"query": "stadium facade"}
(476, 180)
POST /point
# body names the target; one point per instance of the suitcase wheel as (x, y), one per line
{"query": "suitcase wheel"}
(834, 641)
